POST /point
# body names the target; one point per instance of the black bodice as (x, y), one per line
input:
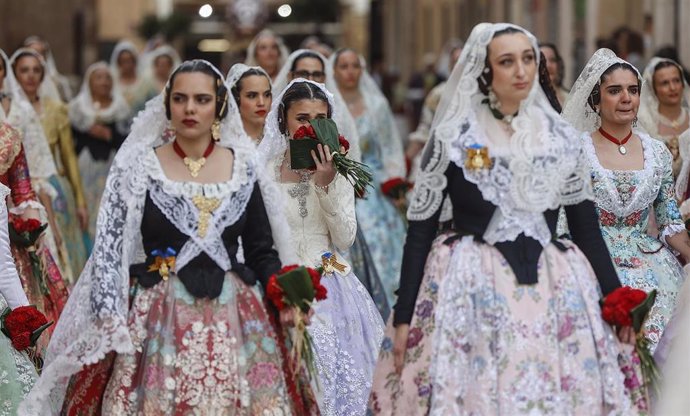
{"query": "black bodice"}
(99, 149)
(471, 216)
(202, 276)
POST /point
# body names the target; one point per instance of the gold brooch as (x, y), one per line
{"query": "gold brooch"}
(330, 264)
(478, 157)
(164, 262)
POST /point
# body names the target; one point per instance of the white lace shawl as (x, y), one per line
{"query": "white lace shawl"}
(648, 114)
(94, 321)
(341, 115)
(83, 114)
(377, 106)
(24, 117)
(576, 109)
(545, 167)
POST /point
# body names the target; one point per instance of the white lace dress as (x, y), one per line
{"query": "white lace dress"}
(347, 329)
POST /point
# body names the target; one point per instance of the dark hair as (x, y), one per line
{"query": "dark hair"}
(307, 54)
(546, 86)
(123, 51)
(302, 90)
(595, 95)
(204, 67)
(32, 54)
(487, 75)
(340, 52)
(237, 87)
(559, 60)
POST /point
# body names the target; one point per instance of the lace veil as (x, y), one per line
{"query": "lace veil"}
(83, 113)
(94, 321)
(238, 70)
(545, 168)
(576, 109)
(341, 115)
(377, 105)
(25, 118)
(49, 86)
(251, 49)
(122, 46)
(649, 103)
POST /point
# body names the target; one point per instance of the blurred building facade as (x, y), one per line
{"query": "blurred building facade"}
(393, 34)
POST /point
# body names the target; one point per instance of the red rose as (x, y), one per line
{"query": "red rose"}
(618, 305)
(320, 291)
(32, 224)
(395, 188)
(304, 132)
(24, 318)
(275, 293)
(21, 341)
(344, 143)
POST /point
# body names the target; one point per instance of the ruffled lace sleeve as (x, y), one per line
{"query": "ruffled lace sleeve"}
(338, 206)
(666, 210)
(10, 286)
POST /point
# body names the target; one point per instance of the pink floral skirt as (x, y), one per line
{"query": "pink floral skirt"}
(481, 343)
(198, 356)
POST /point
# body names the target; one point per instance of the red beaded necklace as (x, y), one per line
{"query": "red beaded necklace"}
(193, 165)
(620, 143)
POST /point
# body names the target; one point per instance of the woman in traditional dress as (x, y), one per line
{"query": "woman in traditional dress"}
(55, 86)
(319, 207)
(382, 152)
(45, 289)
(17, 373)
(631, 175)
(123, 65)
(268, 51)
(664, 102)
(99, 116)
(500, 318)
(196, 338)
(47, 122)
(251, 88)
(311, 65)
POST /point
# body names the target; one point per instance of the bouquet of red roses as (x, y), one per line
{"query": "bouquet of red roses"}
(296, 287)
(25, 233)
(325, 132)
(626, 306)
(23, 325)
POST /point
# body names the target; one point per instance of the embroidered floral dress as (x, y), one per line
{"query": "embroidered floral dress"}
(346, 327)
(47, 291)
(17, 373)
(624, 202)
(203, 341)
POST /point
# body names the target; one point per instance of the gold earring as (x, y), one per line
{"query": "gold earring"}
(215, 130)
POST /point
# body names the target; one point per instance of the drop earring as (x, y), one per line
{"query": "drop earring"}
(215, 130)
(493, 100)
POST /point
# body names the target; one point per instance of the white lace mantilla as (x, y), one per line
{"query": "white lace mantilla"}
(174, 199)
(541, 168)
(656, 159)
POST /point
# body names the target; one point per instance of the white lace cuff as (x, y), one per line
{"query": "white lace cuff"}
(19, 209)
(669, 231)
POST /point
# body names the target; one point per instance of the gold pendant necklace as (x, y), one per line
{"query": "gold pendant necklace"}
(193, 165)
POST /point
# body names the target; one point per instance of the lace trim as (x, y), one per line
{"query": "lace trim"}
(536, 177)
(184, 215)
(241, 174)
(607, 196)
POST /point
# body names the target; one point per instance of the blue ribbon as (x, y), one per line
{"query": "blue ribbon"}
(168, 252)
